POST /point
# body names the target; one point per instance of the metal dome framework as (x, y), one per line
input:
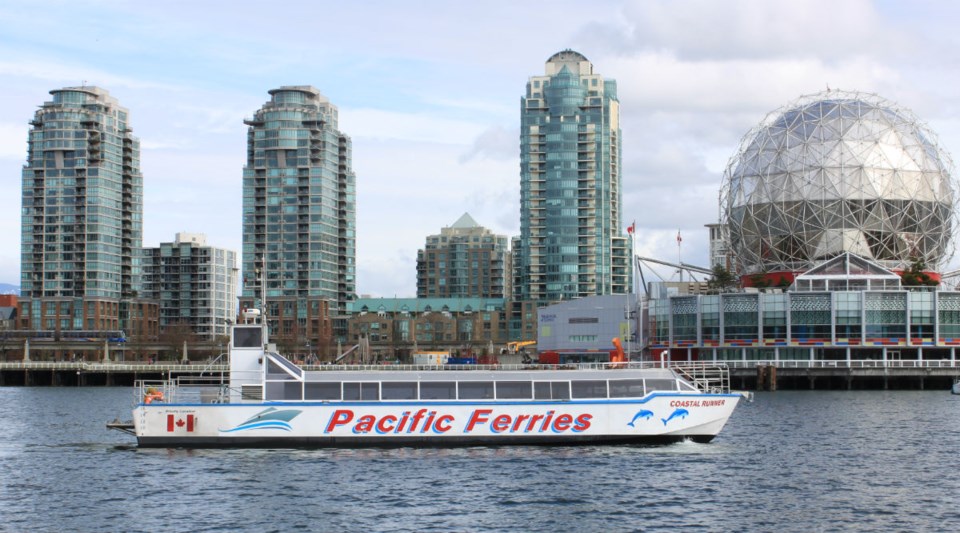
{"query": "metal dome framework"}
(839, 172)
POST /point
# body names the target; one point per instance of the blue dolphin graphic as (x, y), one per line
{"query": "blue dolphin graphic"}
(679, 413)
(646, 415)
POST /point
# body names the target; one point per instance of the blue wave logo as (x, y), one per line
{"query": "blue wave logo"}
(271, 418)
(679, 413)
(644, 414)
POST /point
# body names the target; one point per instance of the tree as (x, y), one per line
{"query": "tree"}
(915, 275)
(721, 278)
(175, 335)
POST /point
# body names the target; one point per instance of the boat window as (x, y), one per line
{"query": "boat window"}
(399, 390)
(284, 390)
(626, 388)
(686, 386)
(251, 337)
(438, 390)
(594, 388)
(476, 390)
(514, 390)
(661, 384)
(364, 392)
(321, 391)
(551, 390)
(275, 371)
(291, 368)
(541, 390)
(560, 390)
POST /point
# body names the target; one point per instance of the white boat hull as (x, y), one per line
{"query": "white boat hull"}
(657, 418)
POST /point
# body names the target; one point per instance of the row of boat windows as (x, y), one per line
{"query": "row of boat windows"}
(468, 390)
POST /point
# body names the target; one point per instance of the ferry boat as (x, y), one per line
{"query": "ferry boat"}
(268, 401)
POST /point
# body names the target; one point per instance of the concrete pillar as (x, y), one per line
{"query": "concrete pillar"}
(848, 357)
(26, 350)
(884, 351)
(953, 355)
(920, 359)
(776, 354)
(185, 358)
(106, 351)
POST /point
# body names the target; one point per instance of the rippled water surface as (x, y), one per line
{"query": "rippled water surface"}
(790, 461)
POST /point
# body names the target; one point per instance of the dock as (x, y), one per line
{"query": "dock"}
(866, 374)
(83, 374)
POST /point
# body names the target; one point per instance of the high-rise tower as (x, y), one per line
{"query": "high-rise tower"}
(571, 243)
(195, 283)
(299, 217)
(82, 216)
(465, 260)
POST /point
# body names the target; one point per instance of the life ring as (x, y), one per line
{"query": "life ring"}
(151, 395)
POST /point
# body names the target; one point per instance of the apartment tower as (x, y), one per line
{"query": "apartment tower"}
(195, 283)
(571, 241)
(465, 260)
(82, 216)
(299, 218)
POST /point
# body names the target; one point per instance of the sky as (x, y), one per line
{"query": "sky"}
(429, 91)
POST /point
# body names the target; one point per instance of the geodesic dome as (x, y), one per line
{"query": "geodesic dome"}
(838, 172)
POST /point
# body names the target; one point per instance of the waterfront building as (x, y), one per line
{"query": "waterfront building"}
(571, 241)
(299, 217)
(583, 330)
(397, 327)
(840, 209)
(465, 260)
(82, 216)
(195, 283)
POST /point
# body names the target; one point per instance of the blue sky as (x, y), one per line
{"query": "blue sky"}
(430, 93)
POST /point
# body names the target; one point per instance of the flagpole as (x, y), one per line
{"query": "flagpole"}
(631, 302)
(679, 257)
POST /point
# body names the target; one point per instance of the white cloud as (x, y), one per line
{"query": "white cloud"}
(13, 141)
(383, 124)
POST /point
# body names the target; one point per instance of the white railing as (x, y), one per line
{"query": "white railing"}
(841, 363)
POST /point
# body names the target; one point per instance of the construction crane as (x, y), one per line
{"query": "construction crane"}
(512, 347)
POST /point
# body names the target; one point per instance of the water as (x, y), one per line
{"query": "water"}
(790, 461)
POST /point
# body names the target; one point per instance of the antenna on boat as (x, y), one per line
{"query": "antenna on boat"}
(261, 273)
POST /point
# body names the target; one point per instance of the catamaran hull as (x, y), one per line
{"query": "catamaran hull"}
(657, 419)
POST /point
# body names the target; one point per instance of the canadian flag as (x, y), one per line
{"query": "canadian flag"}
(632, 227)
(679, 240)
(175, 422)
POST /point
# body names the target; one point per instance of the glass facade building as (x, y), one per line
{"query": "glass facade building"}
(838, 172)
(846, 308)
(299, 216)
(82, 216)
(571, 243)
